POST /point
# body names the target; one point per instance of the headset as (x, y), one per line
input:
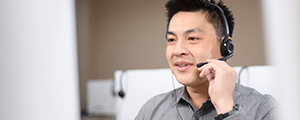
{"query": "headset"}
(121, 93)
(226, 46)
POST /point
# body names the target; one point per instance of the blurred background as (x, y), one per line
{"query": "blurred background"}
(56, 54)
(130, 34)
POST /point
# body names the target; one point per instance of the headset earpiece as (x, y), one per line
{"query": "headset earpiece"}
(121, 94)
(226, 47)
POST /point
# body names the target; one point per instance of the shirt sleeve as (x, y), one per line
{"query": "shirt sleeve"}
(266, 111)
(238, 116)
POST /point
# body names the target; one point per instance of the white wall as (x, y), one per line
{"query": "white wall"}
(38, 60)
(139, 86)
(282, 28)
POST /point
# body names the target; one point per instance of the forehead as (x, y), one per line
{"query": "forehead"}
(184, 21)
(188, 19)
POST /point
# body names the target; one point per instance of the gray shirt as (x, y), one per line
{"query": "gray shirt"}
(176, 105)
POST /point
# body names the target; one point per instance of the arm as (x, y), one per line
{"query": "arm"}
(222, 80)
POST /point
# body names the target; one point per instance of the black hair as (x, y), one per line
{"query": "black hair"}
(214, 16)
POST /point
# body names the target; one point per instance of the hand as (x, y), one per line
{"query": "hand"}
(222, 79)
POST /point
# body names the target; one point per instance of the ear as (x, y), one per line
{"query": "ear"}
(224, 37)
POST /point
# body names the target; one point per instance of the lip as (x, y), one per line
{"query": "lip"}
(183, 65)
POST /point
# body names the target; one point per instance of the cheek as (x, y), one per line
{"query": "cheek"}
(202, 56)
(215, 51)
(202, 53)
(168, 53)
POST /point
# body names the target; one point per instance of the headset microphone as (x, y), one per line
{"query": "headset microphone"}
(223, 59)
(226, 46)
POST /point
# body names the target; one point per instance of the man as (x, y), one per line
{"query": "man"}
(194, 35)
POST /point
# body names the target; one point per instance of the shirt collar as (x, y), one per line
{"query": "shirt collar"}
(181, 94)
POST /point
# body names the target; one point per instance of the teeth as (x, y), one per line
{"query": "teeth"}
(182, 65)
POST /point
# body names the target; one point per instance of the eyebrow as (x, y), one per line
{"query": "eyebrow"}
(192, 30)
(186, 32)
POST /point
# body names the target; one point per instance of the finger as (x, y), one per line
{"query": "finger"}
(210, 76)
(208, 73)
(211, 62)
(202, 73)
(213, 65)
(202, 67)
(206, 70)
(218, 63)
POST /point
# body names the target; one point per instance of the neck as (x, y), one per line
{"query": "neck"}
(198, 94)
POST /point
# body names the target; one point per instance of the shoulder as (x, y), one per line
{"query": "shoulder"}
(254, 103)
(242, 91)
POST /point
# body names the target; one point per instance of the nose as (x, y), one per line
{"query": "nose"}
(180, 49)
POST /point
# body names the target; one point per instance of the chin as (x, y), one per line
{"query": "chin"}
(190, 81)
(186, 80)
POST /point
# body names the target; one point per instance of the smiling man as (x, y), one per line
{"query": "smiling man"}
(194, 35)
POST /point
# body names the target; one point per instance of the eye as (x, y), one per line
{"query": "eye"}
(171, 40)
(193, 38)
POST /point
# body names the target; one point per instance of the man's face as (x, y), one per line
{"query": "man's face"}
(191, 40)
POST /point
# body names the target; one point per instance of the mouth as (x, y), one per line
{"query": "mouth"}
(183, 66)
